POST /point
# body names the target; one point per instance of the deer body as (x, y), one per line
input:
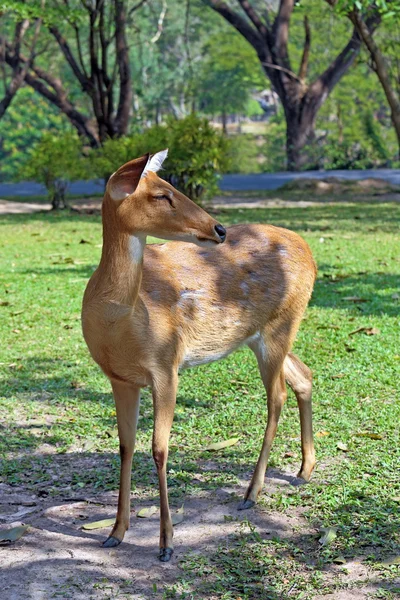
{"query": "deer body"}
(150, 311)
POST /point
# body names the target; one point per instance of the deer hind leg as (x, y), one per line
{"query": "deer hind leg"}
(127, 400)
(299, 378)
(164, 399)
(270, 361)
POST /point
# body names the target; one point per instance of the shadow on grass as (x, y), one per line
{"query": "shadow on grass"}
(364, 293)
(220, 553)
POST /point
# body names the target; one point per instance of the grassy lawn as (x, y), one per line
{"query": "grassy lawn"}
(54, 403)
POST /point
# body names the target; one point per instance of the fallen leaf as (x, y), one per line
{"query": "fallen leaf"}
(4, 303)
(322, 433)
(342, 447)
(355, 299)
(224, 444)
(289, 455)
(349, 348)
(145, 513)
(328, 537)
(84, 242)
(366, 330)
(99, 524)
(17, 312)
(13, 534)
(178, 516)
(338, 376)
(339, 560)
(396, 499)
(372, 436)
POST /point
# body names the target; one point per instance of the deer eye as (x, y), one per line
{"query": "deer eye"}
(165, 197)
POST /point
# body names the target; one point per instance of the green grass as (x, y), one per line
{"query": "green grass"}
(56, 405)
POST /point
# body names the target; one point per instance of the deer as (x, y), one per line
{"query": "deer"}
(151, 310)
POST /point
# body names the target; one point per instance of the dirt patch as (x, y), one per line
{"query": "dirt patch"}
(56, 558)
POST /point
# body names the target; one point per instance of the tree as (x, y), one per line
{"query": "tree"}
(301, 100)
(365, 15)
(93, 43)
(55, 161)
(18, 71)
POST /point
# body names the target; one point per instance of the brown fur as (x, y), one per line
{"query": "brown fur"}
(182, 305)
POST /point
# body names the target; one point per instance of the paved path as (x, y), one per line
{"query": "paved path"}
(233, 182)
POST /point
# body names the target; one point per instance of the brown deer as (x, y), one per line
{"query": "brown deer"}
(150, 311)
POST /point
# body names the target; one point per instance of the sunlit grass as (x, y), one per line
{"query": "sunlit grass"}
(55, 401)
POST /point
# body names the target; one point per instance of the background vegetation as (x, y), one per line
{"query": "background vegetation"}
(183, 59)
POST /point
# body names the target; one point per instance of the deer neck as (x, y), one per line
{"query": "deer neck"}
(121, 264)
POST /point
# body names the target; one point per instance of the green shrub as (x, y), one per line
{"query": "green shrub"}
(244, 154)
(55, 161)
(197, 153)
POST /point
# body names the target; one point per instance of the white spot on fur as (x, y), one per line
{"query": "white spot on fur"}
(257, 342)
(136, 248)
(245, 288)
(155, 162)
(191, 360)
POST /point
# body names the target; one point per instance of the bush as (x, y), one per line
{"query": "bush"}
(197, 153)
(244, 154)
(55, 161)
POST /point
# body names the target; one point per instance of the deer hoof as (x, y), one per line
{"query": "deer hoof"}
(165, 554)
(245, 504)
(111, 542)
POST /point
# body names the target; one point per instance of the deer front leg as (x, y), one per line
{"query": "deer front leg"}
(127, 400)
(164, 399)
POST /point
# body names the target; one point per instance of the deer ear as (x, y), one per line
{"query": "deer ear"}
(155, 162)
(124, 182)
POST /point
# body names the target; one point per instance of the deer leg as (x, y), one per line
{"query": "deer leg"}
(273, 378)
(299, 378)
(164, 399)
(127, 400)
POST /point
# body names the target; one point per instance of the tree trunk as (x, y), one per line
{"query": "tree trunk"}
(301, 100)
(223, 121)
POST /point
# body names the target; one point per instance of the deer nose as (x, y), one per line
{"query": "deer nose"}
(221, 231)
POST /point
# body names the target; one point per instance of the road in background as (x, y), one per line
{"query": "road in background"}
(259, 181)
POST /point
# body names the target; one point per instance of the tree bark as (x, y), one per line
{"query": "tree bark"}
(301, 101)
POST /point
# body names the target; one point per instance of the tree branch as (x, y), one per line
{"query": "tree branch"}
(328, 79)
(66, 50)
(380, 66)
(280, 32)
(125, 88)
(160, 22)
(240, 24)
(306, 50)
(253, 16)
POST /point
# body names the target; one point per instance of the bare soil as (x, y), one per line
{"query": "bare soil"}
(56, 558)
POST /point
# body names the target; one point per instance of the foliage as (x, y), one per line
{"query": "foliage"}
(227, 79)
(244, 155)
(19, 131)
(197, 153)
(55, 161)
(58, 418)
